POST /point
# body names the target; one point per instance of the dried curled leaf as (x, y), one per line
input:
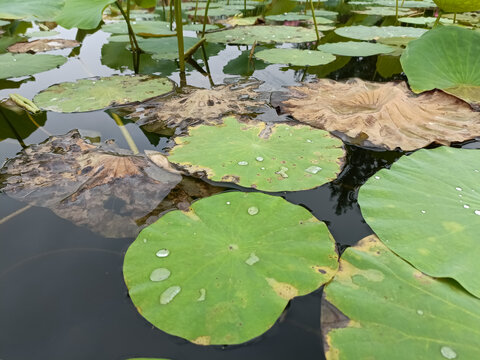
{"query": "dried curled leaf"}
(386, 115)
(101, 187)
(196, 105)
(42, 45)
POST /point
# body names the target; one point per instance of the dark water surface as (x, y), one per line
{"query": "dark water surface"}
(62, 294)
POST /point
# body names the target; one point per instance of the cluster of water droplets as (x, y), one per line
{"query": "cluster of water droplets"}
(466, 206)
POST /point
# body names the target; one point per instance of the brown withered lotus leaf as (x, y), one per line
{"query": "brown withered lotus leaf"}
(42, 45)
(386, 115)
(100, 187)
(196, 105)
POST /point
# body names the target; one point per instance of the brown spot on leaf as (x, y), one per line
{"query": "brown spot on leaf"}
(202, 340)
(284, 290)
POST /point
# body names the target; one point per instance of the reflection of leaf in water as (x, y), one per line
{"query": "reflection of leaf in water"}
(100, 187)
(241, 65)
(386, 115)
(196, 105)
(15, 123)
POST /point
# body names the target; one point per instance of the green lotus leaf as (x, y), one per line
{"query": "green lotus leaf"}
(384, 11)
(275, 158)
(242, 65)
(452, 64)
(295, 57)
(381, 303)
(222, 11)
(38, 9)
(140, 27)
(99, 93)
(428, 216)
(41, 34)
(402, 4)
(361, 32)
(27, 64)
(82, 14)
(146, 3)
(469, 18)
(324, 13)
(298, 17)
(247, 35)
(223, 271)
(423, 20)
(16, 123)
(458, 5)
(163, 48)
(356, 48)
(199, 27)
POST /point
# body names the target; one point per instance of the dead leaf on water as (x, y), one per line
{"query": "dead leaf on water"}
(386, 115)
(103, 187)
(42, 45)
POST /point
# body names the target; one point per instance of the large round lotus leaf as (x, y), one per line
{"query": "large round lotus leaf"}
(424, 20)
(99, 93)
(356, 48)
(458, 5)
(298, 17)
(247, 35)
(452, 64)
(383, 114)
(426, 208)
(27, 64)
(140, 27)
(295, 57)
(223, 271)
(383, 308)
(273, 158)
(40, 9)
(384, 11)
(82, 14)
(361, 32)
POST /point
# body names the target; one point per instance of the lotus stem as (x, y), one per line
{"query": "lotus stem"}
(15, 213)
(205, 17)
(205, 60)
(440, 13)
(194, 48)
(244, 5)
(315, 20)
(454, 18)
(24, 103)
(126, 134)
(252, 51)
(170, 14)
(396, 10)
(131, 35)
(196, 9)
(179, 28)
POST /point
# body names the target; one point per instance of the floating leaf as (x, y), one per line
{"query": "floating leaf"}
(384, 11)
(230, 265)
(144, 28)
(38, 9)
(423, 20)
(247, 35)
(385, 114)
(295, 57)
(99, 93)
(15, 123)
(452, 64)
(42, 45)
(425, 4)
(298, 17)
(100, 187)
(428, 216)
(458, 5)
(195, 105)
(383, 303)
(27, 64)
(361, 32)
(82, 14)
(356, 48)
(41, 34)
(271, 158)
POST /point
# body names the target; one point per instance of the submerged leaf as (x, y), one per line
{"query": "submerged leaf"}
(223, 271)
(381, 302)
(196, 105)
(99, 93)
(42, 45)
(452, 64)
(27, 64)
(386, 114)
(99, 187)
(267, 157)
(428, 215)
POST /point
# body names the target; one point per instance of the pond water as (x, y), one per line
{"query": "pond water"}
(63, 295)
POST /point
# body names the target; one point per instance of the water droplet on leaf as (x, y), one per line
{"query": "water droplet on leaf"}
(458, 188)
(282, 172)
(160, 274)
(313, 169)
(252, 210)
(169, 294)
(163, 253)
(448, 352)
(259, 158)
(252, 259)
(420, 312)
(202, 295)
(243, 163)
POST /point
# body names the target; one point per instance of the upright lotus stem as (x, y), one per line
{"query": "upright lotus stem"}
(131, 35)
(196, 9)
(314, 20)
(396, 10)
(170, 2)
(244, 5)
(454, 18)
(439, 16)
(205, 18)
(179, 28)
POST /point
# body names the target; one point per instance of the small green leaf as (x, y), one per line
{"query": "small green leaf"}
(356, 48)
(27, 64)
(295, 57)
(361, 32)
